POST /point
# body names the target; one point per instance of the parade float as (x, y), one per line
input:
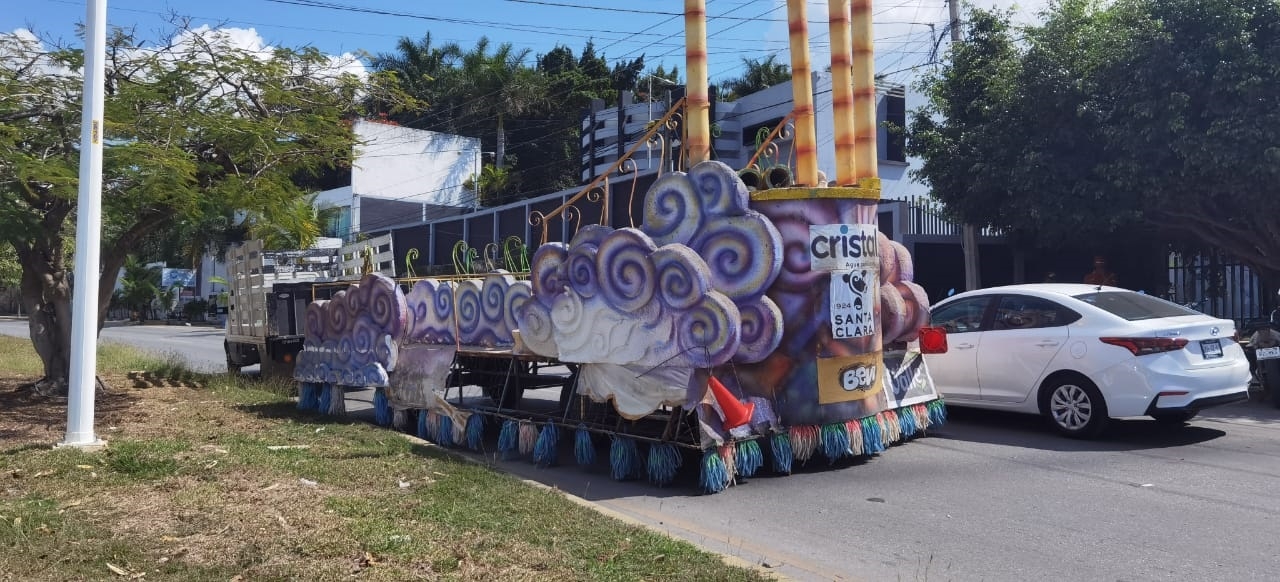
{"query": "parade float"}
(746, 323)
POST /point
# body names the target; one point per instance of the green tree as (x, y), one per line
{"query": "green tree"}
(498, 86)
(1154, 114)
(493, 185)
(429, 73)
(196, 127)
(140, 286)
(758, 74)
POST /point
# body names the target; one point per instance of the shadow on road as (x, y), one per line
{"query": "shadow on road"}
(1258, 409)
(1030, 431)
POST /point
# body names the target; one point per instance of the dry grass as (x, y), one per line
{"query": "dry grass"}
(189, 490)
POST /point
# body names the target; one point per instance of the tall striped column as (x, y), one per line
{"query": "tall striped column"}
(697, 120)
(842, 92)
(805, 143)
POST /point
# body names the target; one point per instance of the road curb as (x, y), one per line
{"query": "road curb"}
(727, 559)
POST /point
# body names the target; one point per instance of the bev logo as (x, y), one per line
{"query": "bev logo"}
(858, 378)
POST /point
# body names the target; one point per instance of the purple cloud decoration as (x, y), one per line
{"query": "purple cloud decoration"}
(352, 338)
(685, 289)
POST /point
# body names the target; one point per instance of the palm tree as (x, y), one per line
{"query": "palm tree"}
(424, 71)
(498, 86)
(759, 74)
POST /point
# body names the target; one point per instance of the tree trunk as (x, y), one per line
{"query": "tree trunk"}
(46, 296)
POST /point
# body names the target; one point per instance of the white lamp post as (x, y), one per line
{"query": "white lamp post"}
(84, 308)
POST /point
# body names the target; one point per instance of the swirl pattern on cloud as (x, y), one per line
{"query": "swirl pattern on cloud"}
(352, 338)
(635, 304)
(707, 211)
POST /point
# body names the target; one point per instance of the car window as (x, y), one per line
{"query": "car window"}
(961, 316)
(1023, 312)
(1134, 306)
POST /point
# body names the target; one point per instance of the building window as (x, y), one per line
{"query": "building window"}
(337, 221)
(895, 144)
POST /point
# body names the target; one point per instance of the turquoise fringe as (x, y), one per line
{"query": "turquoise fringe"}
(583, 449)
(872, 439)
(307, 397)
(715, 475)
(624, 459)
(381, 407)
(509, 438)
(664, 461)
(907, 422)
(937, 412)
(748, 457)
(835, 441)
(325, 399)
(444, 432)
(780, 445)
(475, 431)
(423, 433)
(544, 450)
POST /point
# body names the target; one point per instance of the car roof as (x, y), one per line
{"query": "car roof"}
(1064, 289)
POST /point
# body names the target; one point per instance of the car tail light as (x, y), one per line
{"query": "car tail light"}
(933, 340)
(1145, 346)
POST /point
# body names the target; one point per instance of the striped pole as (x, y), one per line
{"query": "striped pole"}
(805, 143)
(864, 90)
(842, 92)
(698, 105)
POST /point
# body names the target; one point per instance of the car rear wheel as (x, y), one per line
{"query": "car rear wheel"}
(1074, 406)
(1173, 418)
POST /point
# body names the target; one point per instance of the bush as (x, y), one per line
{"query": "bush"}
(195, 309)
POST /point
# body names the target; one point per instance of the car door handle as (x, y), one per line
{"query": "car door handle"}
(1048, 344)
(964, 346)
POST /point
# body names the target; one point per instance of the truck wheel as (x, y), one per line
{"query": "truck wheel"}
(232, 367)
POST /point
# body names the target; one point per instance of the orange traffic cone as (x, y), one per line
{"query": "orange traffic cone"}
(736, 413)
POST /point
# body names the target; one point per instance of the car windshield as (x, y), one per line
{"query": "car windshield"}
(1134, 306)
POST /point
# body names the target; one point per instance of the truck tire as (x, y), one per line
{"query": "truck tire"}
(232, 367)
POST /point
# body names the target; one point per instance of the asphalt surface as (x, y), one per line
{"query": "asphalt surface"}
(989, 496)
(199, 345)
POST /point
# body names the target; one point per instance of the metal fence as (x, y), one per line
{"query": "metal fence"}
(924, 218)
(1220, 286)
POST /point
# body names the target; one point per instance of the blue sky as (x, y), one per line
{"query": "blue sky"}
(906, 30)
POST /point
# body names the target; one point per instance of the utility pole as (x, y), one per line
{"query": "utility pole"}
(968, 232)
(84, 306)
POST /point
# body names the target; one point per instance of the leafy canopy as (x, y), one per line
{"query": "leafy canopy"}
(1161, 114)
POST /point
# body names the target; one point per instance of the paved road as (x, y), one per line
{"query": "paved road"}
(988, 497)
(200, 346)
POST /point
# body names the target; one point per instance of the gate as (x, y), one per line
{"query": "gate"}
(1218, 285)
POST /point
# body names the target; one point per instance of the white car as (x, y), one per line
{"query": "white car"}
(1081, 354)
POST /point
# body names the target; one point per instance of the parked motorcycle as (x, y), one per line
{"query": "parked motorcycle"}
(1265, 346)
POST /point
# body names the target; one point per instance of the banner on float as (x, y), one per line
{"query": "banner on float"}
(908, 381)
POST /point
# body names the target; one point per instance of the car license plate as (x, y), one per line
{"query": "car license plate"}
(1268, 353)
(1211, 349)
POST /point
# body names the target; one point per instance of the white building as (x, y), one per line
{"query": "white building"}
(736, 125)
(401, 174)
